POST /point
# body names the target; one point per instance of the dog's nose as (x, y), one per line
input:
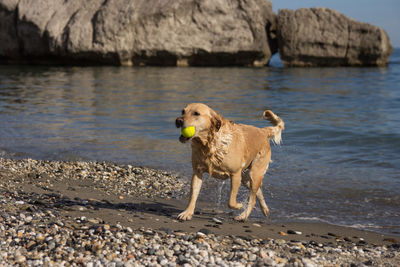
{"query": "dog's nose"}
(179, 122)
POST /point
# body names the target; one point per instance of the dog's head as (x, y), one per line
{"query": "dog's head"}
(204, 119)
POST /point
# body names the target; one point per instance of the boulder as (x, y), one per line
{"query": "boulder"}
(137, 32)
(9, 46)
(325, 37)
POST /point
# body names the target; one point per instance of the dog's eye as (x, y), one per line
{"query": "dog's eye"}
(183, 112)
(196, 113)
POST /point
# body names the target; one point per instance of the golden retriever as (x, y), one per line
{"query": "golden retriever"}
(225, 149)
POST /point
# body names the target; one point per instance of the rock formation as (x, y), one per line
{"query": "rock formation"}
(136, 32)
(325, 37)
(184, 33)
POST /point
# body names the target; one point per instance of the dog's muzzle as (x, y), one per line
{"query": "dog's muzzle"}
(179, 122)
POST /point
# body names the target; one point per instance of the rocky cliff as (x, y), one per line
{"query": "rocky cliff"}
(325, 37)
(184, 33)
(136, 32)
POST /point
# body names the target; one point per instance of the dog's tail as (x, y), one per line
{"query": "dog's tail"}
(274, 132)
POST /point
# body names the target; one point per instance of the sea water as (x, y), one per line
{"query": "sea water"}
(339, 161)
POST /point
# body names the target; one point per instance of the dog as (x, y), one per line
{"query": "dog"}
(225, 149)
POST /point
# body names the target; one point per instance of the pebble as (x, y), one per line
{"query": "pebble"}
(28, 219)
(138, 181)
(292, 232)
(20, 259)
(35, 234)
(217, 221)
(239, 241)
(201, 234)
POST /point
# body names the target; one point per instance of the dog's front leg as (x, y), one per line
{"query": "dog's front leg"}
(197, 181)
(235, 184)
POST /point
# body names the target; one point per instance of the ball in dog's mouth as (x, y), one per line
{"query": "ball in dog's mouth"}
(187, 133)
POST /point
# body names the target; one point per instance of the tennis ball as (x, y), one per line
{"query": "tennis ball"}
(188, 131)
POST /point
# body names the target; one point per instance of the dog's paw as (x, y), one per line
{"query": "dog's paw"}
(235, 206)
(241, 218)
(265, 211)
(185, 215)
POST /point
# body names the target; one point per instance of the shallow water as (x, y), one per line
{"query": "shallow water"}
(340, 157)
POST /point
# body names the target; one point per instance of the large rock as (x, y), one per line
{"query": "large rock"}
(325, 37)
(9, 46)
(138, 32)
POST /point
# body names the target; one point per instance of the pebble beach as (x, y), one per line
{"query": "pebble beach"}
(102, 214)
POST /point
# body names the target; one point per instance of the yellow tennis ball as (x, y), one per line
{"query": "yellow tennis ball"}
(188, 131)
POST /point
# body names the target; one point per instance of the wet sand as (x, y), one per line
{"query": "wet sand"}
(161, 214)
(72, 197)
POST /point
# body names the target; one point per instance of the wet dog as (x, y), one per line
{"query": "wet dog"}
(224, 150)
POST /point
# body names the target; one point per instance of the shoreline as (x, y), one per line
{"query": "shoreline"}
(46, 203)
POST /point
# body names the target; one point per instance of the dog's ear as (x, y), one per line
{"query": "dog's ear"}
(216, 121)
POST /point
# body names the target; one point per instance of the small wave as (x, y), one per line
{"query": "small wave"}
(313, 219)
(385, 200)
(4, 153)
(392, 229)
(365, 226)
(374, 226)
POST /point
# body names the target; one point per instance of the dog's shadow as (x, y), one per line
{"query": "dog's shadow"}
(58, 203)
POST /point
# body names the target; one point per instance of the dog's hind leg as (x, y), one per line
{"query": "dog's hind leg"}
(253, 180)
(250, 205)
(246, 181)
(261, 200)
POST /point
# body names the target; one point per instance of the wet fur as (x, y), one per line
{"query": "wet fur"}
(224, 149)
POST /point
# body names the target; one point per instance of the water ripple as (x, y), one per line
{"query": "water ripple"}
(339, 161)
